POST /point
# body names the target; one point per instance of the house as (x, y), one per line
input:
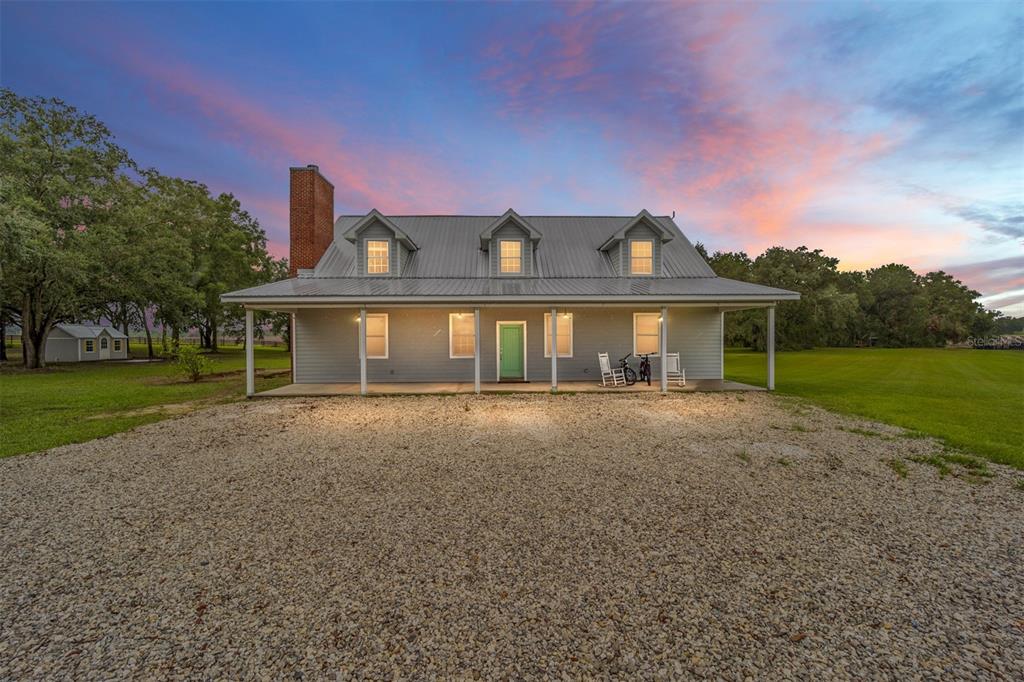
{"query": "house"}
(84, 343)
(459, 298)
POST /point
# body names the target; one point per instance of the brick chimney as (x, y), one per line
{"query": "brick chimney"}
(310, 217)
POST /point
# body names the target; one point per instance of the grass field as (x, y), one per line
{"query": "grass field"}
(77, 402)
(970, 399)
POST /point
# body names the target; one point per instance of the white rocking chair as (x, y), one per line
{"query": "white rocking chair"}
(672, 369)
(616, 376)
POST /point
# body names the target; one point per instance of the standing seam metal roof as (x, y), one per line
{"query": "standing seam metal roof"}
(450, 263)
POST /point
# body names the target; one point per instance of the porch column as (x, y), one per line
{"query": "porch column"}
(554, 350)
(250, 369)
(771, 348)
(664, 349)
(476, 350)
(362, 351)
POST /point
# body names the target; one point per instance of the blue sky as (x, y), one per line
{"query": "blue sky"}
(878, 132)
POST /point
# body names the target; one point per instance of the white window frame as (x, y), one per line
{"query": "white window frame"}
(387, 257)
(117, 345)
(451, 339)
(547, 333)
(522, 255)
(657, 334)
(89, 345)
(387, 337)
(104, 343)
(629, 255)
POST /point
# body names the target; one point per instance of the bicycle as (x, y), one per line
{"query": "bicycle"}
(627, 371)
(645, 368)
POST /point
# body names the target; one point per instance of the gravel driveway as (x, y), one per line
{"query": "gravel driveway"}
(513, 536)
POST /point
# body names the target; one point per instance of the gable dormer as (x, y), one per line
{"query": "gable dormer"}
(635, 248)
(381, 246)
(510, 242)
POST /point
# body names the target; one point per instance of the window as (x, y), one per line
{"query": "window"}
(378, 257)
(117, 344)
(377, 336)
(103, 343)
(641, 257)
(510, 252)
(564, 333)
(646, 333)
(461, 335)
(89, 345)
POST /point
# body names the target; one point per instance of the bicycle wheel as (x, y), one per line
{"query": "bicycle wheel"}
(630, 376)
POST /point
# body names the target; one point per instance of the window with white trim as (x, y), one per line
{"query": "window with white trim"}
(103, 343)
(510, 255)
(90, 345)
(378, 256)
(461, 335)
(646, 333)
(641, 257)
(117, 345)
(564, 332)
(377, 336)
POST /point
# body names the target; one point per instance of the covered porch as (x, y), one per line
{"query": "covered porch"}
(457, 348)
(423, 388)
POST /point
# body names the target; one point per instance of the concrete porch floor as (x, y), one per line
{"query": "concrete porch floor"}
(305, 390)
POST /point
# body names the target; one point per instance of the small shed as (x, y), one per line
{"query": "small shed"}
(84, 343)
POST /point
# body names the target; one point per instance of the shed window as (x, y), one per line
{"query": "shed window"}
(378, 256)
(646, 333)
(90, 345)
(641, 257)
(377, 336)
(461, 335)
(510, 251)
(103, 343)
(117, 345)
(564, 332)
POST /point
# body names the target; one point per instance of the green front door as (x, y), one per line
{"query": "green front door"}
(510, 351)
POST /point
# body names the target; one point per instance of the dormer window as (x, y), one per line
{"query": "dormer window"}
(510, 252)
(378, 256)
(641, 257)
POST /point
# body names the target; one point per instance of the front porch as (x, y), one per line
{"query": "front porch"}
(424, 388)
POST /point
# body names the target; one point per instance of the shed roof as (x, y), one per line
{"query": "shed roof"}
(90, 331)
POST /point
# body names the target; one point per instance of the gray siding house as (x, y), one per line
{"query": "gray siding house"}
(455, 298)
(85, 343)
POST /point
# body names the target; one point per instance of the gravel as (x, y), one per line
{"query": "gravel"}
(732, 535)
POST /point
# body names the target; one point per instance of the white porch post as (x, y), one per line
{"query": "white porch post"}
(554, 350)
(250, 369)
(664, 349)
(771, 348)
(362, 351)
(476, 350)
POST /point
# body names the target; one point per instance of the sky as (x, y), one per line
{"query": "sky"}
(877, 132)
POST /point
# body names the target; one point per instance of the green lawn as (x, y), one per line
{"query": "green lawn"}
(72, 403)
(970, 399)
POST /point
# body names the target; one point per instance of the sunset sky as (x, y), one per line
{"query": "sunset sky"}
(878, 132)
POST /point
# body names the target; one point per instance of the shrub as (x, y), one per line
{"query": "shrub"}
(192, 362)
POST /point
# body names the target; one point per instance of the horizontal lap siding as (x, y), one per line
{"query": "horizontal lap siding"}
(327, 350)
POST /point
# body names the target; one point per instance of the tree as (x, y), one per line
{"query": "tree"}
(59, 172)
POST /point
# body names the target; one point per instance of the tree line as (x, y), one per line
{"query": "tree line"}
(86, 234)
(887, 306)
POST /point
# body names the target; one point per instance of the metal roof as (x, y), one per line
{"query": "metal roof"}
(565, 288)
(89, 331)
(450, 265)
(449, 246)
